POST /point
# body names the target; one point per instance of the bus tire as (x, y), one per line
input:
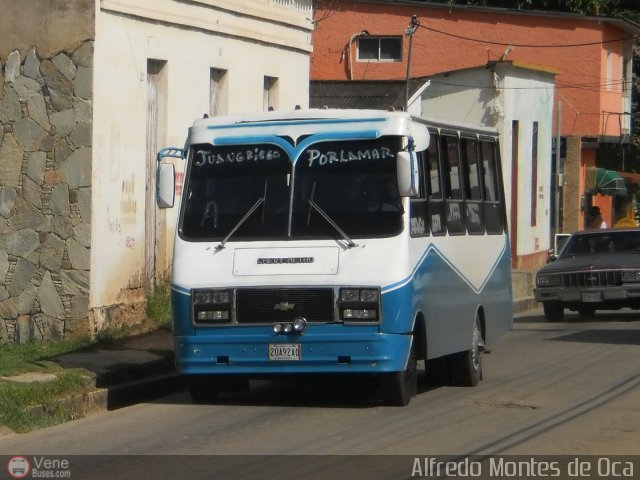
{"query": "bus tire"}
(398, 387)
(553, 311)
(466, 367)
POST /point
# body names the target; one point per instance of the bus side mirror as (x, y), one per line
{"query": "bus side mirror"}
(166, 192)
(408, 178)
(166, 177)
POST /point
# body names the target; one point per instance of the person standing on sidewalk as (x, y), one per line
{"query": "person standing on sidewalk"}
(595, 219)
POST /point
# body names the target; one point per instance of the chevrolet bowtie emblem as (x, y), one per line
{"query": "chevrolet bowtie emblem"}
(284, 306)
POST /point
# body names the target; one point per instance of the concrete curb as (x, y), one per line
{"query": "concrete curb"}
(144, 390)
(521, 305)
(82, 403)
(116, 396)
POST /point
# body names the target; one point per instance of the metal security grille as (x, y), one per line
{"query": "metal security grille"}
(592, 279)
(268, 305)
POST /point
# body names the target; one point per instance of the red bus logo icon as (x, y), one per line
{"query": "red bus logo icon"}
(18, 467)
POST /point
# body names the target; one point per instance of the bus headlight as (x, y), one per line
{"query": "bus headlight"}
(359, 304)
(349, 295)
(204, 297)
(368, 295)
(211, 306)
(359, 295)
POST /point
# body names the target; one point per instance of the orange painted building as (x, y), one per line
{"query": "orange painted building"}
(593, 55)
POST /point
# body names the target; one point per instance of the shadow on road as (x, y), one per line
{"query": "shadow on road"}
(624, 315)
(325, 391)
(611, 337)
(607, 327)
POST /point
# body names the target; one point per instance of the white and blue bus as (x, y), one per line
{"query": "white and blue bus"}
(336, 242)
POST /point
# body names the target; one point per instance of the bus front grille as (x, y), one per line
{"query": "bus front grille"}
(271, 305)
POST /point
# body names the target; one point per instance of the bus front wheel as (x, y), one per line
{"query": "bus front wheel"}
(466, 367)
(399, 387)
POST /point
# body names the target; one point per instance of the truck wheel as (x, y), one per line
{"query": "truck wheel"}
(466, 367)
(553, 311)
(398, 387)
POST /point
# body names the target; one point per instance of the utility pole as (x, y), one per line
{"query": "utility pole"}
(557, 175)
(411, 29)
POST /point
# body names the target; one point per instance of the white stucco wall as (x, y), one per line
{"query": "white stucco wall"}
(527, 96)
(239, 37)
(465, 96)
(477, 96)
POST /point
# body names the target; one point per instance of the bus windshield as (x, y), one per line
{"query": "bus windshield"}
(334, 190)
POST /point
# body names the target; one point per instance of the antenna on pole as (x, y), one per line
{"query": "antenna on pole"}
(411, 29)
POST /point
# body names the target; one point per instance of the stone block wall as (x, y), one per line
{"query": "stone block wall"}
(45, 193)
(572, 194)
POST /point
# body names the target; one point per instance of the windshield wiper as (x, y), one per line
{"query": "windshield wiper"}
(350, 243)
(259, 202)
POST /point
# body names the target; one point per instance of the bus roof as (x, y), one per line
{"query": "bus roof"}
(298, 114)
(298, 123)
(330, 122)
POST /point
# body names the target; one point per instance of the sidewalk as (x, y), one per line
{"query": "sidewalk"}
(137, 369)
(140, 369)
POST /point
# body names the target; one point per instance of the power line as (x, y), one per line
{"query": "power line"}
(602, 83)
(525, 45)
(592, 88)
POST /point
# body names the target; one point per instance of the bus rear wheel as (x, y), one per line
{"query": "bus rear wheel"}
(398, 387)
(466, 367)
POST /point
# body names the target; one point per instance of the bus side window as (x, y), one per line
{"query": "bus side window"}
(473, 191)
(419, 211)
(453, 178)
(434, 181)
(492, 209)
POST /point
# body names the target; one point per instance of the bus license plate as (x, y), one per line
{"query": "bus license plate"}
(588, 297)
(284, 351)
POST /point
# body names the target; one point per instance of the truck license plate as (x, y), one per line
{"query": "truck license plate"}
(284, 351)
(590, 297)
